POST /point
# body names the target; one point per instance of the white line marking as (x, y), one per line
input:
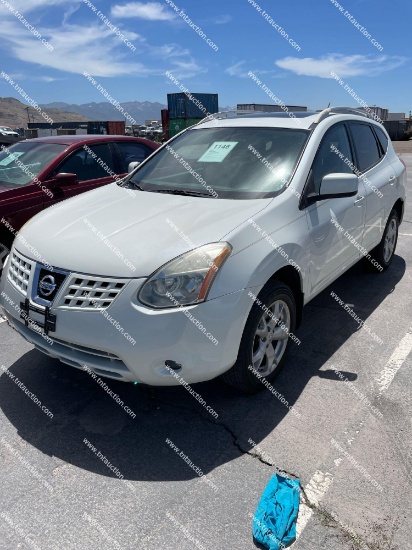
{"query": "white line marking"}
(319, 485)
(315, 490)
(406, 234)
(2, 319)
(395, 362)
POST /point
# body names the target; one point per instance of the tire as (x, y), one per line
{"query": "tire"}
(4, 252)
(383, 253)
(274, 309)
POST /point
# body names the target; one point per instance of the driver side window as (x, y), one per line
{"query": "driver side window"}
(333, 156)
(94, 163)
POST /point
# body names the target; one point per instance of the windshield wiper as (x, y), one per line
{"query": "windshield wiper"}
(182, 192)
(136, 186)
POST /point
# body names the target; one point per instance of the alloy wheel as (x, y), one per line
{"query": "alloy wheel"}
(390, 240)
(270, 341)
(4, 252)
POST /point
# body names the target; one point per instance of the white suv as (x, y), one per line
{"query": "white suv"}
(199, 263)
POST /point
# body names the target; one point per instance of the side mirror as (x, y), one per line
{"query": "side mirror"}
(338, 185)
(132, 166)
(63, 179)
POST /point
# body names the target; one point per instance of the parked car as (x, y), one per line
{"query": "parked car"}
(6, 131)
(235, 225)
(37, 173)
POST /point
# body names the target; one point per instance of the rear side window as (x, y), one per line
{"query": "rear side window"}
(131, 152)
(366, 146)
(333, 156)
(383, 140)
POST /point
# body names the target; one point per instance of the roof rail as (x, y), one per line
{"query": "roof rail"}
(228, 114)
(339, 110)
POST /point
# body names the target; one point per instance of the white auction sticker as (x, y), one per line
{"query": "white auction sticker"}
(218, 151)
(9, 159)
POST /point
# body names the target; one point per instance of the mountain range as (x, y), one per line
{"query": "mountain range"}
(14, 113)
(139, 110)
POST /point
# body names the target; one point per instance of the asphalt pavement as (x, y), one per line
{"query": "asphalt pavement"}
(349, 443)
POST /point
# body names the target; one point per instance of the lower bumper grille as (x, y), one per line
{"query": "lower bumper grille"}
(77, 356)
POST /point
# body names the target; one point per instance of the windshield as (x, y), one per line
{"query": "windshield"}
(6, 129)
(22, 162)
(237, 163)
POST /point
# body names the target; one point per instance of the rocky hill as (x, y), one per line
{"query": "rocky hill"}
(139, 110)
(13, 113)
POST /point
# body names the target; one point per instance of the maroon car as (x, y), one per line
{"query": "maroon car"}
(37, 173)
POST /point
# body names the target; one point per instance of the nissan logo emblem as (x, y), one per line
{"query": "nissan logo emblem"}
(47, 285)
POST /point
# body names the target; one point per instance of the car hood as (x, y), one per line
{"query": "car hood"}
(104, 231)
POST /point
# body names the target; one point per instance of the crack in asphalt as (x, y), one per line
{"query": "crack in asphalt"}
(236, 439)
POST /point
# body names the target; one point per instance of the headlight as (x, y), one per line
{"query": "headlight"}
(186, 280)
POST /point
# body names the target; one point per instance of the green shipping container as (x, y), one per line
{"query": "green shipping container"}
(176, 125)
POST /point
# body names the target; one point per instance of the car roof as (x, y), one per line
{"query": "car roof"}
(304, 120)
(84, 138)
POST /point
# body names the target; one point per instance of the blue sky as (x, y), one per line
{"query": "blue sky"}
(328, 42)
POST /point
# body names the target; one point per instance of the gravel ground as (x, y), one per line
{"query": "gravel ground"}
(402, 146)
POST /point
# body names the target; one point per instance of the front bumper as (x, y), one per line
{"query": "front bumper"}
(130, 342)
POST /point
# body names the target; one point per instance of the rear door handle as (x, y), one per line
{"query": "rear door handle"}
(392, 180)
(359, 200)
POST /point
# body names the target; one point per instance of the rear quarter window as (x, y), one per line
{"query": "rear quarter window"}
(383, 140)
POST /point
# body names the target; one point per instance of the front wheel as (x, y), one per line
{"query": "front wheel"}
(383, 253)
(265, 339)
(4, 252)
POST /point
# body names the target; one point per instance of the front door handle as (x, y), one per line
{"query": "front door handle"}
(359, 200)
(392, 180)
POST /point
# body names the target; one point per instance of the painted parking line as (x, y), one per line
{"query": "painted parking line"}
(2, 319)
(315, 490)
(395, 362)
(319, 485)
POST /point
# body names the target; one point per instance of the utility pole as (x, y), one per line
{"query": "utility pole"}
(28, 115)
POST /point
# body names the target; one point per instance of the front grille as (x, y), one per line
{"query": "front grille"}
(19, 272)
(91, 293)
(52, 279)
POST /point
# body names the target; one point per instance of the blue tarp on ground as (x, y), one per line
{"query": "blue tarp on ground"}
(274, 523)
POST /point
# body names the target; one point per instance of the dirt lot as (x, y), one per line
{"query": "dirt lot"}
(402, 146)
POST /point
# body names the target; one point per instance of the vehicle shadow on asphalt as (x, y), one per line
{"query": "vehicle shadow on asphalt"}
(137, 446)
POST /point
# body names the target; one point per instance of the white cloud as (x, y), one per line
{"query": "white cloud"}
(167, 51)
(91, 47)
(222, 19)
(71, 10)
(21, 76)
(237, 69)
(105, 54)
(152, 11)
(26, 6)
(186, 69)
(46, 78)
(344, 66)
